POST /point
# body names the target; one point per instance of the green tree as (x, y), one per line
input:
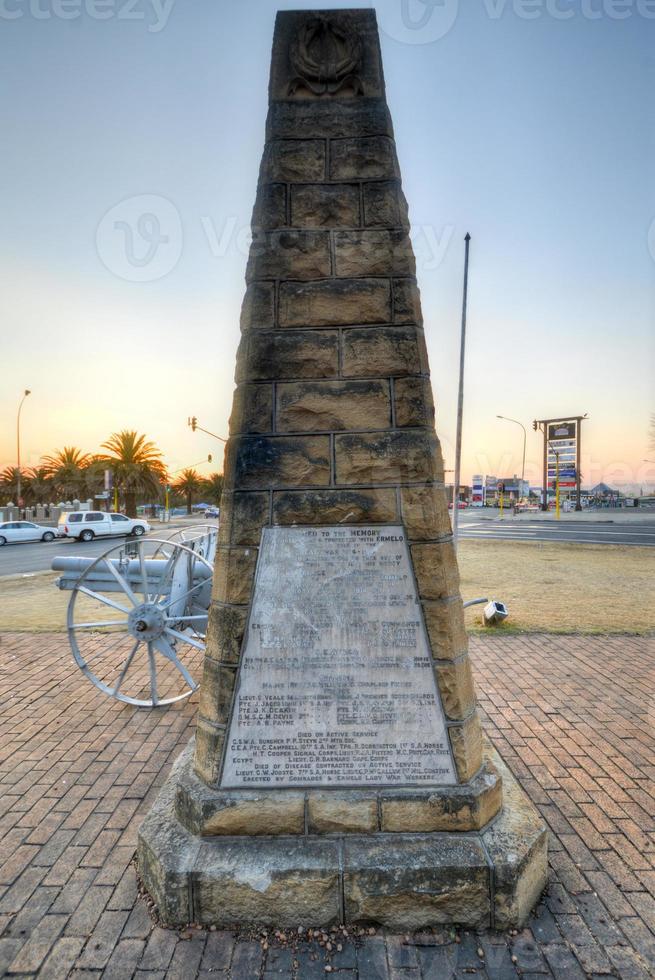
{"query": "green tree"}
(214, 487)
(39, 485)
(189, 484)
(137, 467)
(9, 484)
(66, 468)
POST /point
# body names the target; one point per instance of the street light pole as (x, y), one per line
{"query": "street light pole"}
(18, 481)
(460, 394)
(516, 421)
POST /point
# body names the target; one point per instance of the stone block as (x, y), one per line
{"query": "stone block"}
(278, 882)
(289, 354)
(466, 745)
(342, 812)
(209, 743)
(233, 574)
(325, 206)
(258, 308)
(378, 353)
(216, 691)
(463, 808)
(242, 517)
(384, 204)
(315, 406)
(289, 255)
(406, 302)
(262, 462)
(270, 209)
(206, 811)
(328, 118)
(368, 158)
(444, 621)
(374, 252)
(255, 814)
(225, 631)
(517, 845)
(413, 402)
(425, 511)
(252, 409)
(435, 567)
(390, 457)
(166, 856)
(336, 29)
(415, 882)
(367, 506)
(455, 682)
(334, 303)
(293, 160)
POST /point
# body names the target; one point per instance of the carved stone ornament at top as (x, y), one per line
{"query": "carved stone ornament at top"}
(326, 58)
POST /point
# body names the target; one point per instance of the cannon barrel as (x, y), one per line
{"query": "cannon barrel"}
(130, 569)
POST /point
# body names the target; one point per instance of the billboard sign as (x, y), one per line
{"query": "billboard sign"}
(563, 430)
(562, 453)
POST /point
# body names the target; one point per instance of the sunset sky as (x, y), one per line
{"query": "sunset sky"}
(533, 133)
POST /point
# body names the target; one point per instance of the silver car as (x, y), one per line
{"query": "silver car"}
(13, 532)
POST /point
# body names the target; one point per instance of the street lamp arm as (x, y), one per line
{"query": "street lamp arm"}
(525, 436)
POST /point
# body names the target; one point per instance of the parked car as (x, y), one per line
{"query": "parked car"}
(90, 524)
(12, 532)
(212, 512)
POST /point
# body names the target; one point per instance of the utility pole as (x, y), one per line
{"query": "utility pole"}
(18, 478)
(460, 395)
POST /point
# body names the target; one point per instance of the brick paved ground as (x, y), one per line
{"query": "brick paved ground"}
(574, 718)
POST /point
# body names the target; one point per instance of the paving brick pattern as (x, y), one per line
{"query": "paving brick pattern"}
(574, 717)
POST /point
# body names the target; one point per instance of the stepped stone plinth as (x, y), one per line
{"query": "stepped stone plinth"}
(339, 771)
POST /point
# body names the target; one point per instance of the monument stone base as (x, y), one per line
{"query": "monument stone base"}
(293, 858)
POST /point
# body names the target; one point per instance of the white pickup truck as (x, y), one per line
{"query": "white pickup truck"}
(89, 524)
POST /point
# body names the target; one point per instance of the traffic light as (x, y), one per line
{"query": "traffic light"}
(193, 422)
(535, 425)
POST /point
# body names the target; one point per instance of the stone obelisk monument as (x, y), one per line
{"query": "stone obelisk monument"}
(339, 771)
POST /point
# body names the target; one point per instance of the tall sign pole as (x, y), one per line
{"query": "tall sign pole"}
(460, 395)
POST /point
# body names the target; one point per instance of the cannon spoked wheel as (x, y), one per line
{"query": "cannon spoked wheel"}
(198, 537)
(136, 622)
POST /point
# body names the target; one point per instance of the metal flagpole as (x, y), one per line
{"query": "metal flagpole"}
(460, 396)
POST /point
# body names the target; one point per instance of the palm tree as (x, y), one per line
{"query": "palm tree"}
(66, 470)
(137, 466)
(214, 487)
(9, 483)
(189, 484)
(39, 484)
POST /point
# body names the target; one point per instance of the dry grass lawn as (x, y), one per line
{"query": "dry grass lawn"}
(560, 588)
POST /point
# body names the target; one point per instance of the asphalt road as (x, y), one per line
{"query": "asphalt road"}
(21, 559)
(582, 532)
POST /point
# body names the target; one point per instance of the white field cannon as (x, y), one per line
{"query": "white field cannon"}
(137, 615)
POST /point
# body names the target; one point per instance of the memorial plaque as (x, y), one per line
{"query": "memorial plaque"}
(336, 685)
